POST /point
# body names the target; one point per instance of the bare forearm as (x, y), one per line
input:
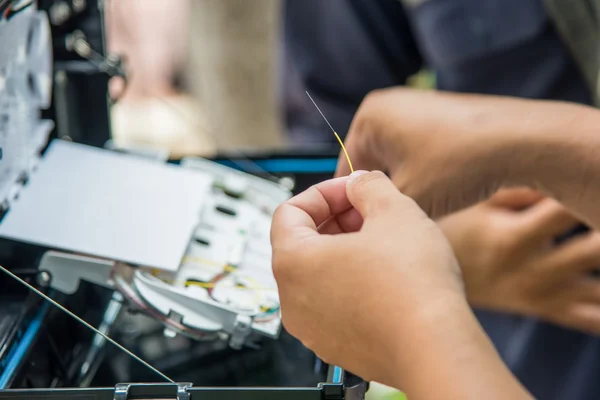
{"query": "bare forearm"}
(555, 148)
(447, 354)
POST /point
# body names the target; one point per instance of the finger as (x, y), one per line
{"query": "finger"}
(374, 194)
(587, 288)
(324, 200)
(579, 254)
(347, 222)
(584, 317)
(515, 198)
(547, 220)
(300, 216)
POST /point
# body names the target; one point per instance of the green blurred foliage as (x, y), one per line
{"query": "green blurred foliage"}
(424, 79)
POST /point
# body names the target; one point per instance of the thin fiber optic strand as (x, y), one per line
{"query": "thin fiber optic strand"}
(334, 132)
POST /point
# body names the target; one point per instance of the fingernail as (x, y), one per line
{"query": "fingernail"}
(353, 176)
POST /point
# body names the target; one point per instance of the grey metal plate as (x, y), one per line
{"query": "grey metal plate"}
(110, 205)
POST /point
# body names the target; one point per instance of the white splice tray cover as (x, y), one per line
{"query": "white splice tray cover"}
(110, 205)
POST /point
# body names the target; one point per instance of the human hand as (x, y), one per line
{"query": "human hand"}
(353, 265)
(449, 151)
(506, 250)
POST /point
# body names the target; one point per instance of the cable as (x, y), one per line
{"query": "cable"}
(209, 285)
(85, 323)
(9, 12)
(227, 270)
(111, 66)
(268, 315)
(204, 261)
(4, 4)
(130, 294)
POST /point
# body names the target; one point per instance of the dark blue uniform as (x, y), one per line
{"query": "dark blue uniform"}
(341, 49)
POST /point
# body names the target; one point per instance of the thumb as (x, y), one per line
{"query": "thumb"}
(373, 194)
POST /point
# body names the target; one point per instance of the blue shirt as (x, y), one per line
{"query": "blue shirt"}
(342, 49)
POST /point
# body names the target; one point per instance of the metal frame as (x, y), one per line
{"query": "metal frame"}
(341, 386)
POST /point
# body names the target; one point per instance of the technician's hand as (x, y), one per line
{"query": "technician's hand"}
(505, 249)
(449, 151)
(369, 283)
(346, 285)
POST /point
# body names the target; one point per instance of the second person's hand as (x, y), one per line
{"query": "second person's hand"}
(448, 151)
(510, 263)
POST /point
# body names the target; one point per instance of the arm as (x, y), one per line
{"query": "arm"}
(449, 151)
(368, 282)
(558, 153)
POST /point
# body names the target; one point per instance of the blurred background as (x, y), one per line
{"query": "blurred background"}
(207, 75)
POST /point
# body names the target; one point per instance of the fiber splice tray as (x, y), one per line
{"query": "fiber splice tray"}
(187, 244)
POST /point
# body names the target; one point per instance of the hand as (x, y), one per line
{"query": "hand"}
(369, 283)
(449, 151)
(344, 260)
(510, 264)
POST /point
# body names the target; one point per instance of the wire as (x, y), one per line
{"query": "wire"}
(84, 322)
(204, 261)
(209, 285)
(130, 295)
(6, 12)
(113, 67)
(270, 314)
(9, 12)
(334, 132)
(4, 4)
(227, 268)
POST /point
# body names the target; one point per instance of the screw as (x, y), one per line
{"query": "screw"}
(60, 77)
(169, 333)
(43, 278)
(79, 5)
(287, 182)
(60, 13)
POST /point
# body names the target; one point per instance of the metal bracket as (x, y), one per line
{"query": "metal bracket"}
(121, 391)
(182, 391)
(344, 385)
(355, 388)
(356, 392)
(332, 391)
(124, 390)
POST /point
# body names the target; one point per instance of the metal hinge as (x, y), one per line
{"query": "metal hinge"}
(332, 391)
(123, 391)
